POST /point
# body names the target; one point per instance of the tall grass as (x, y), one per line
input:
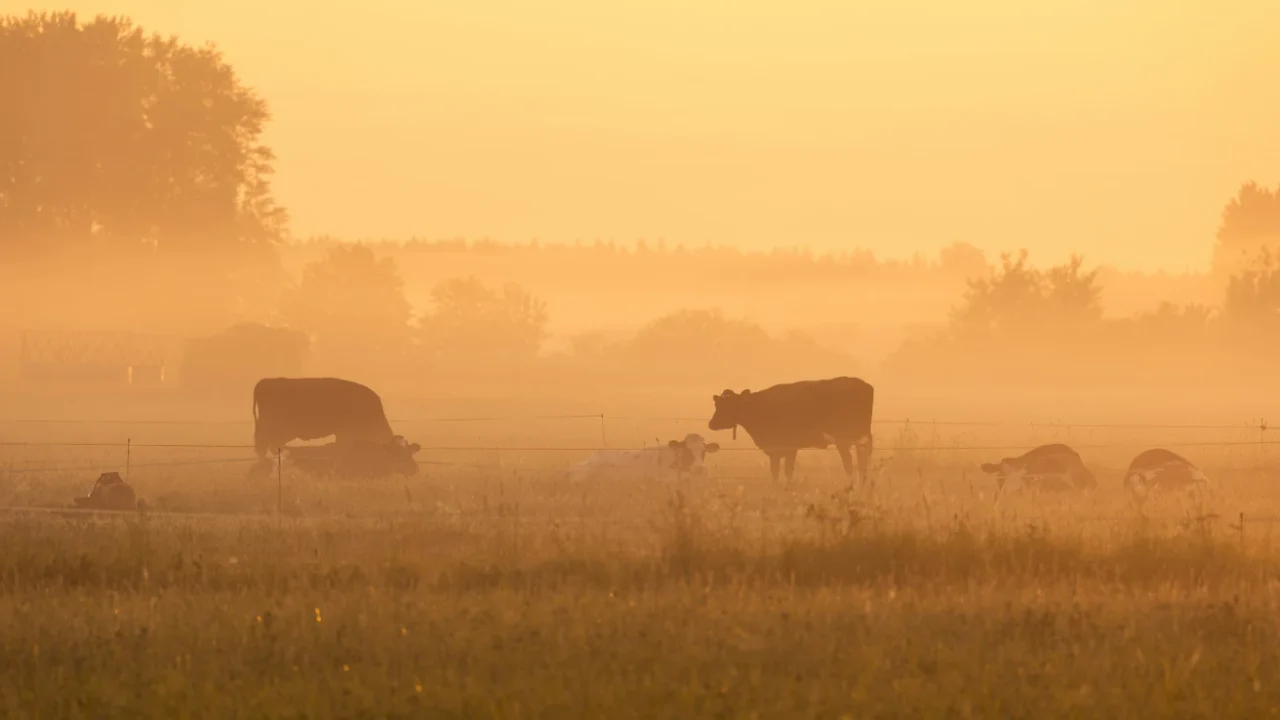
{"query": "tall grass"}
(515, 593)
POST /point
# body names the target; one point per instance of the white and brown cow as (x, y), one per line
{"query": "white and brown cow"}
(1047, 468)
(681, 457)
(1162, 471)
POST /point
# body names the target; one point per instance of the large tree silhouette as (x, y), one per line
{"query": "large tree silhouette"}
(134, 186)
(115, 141)
(1020, 302)
(1250, 224)
(351, 299)
(472, 323)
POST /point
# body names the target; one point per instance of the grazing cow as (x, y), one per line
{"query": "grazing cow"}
(784, 419)
(1159, 470)
(679, 456)
(110, 492)
(286, 409)
(1048, 468)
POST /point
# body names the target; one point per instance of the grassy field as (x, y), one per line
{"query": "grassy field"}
(490, 586)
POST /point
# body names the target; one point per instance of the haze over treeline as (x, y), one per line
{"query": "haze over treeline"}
(136, 197)
(1112, 129)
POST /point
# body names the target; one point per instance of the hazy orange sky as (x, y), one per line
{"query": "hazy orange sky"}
(1117, 128)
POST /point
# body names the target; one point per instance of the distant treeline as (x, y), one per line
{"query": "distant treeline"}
(136, 195)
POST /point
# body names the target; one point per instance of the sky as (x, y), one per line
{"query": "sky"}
(1113, 128)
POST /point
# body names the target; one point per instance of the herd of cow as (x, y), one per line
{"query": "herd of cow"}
(781, 420)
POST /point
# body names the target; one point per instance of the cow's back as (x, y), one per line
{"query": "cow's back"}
(1053, 453)
(805, 411)
(312, 408)
(1157, 457)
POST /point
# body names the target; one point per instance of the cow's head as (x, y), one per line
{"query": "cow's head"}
(689, 454)
(1008, 473)
(400, 453)
(728, 414)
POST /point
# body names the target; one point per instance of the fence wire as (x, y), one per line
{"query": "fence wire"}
(1253, 424)
(581, 448)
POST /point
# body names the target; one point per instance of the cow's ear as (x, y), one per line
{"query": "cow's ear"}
(414, 448)
(712, 447)
(674, 444)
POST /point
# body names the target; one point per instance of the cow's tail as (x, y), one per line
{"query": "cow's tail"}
(257, 429)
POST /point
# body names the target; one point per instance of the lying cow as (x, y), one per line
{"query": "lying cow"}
(1160, 470)
(784, 419)
(110, 492)
(1048, 468)
(287, 409)
(350, 460)
(682, 457)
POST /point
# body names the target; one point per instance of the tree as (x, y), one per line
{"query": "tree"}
(473, 323)
(351, 298)
(1021, 302)
(706, 335)
(1252, 299)
(1250, 223)
(137, 158)
(706, 346)
(119, 140)
(964, 260)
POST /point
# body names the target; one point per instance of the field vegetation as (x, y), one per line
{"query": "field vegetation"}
(489, 585)
(149, 278)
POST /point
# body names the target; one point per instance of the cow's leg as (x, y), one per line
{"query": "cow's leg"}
(790, 464)
(775, 462)
(864, 456)
(846, 459)
(261, 441)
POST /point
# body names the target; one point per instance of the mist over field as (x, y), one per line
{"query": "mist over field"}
(590, 268)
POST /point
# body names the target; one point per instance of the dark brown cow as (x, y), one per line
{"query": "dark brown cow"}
(110, 492)
(784, 419)
(287, 409)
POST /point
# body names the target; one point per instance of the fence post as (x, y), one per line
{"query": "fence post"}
(1262, 442)
(128, 457)
(603, 440)
(279, 481)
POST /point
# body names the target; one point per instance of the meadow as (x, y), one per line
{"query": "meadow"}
(490, 586)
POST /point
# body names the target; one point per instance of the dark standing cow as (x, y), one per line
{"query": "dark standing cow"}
(784, 419)
(1048, 468)
(1157, 470)
(286, 409)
